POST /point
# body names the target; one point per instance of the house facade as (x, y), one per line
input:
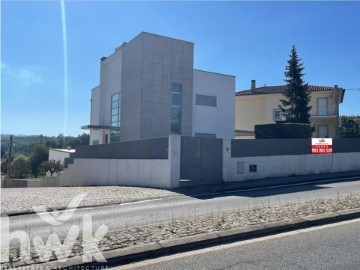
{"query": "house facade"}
(260, 105)
(149, 88)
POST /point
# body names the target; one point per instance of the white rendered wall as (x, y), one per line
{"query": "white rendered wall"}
(278, 166)
(98, 134)
(58, 155)
(95, 106)
(95, 115)
(159, 173)
(218, 120)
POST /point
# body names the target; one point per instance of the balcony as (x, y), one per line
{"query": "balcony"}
(324, 112)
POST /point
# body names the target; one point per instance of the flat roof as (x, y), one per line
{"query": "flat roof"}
(95, 127)
(64, 150)
(222, 74)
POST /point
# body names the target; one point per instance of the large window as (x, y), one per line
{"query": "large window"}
(176, 108)
(206, 100)
(115, 118)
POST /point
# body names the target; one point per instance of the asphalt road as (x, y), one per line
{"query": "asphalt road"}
(158, 210)
(334, 246)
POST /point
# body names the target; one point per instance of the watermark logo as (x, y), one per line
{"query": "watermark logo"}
(53, 218)
(84, 235)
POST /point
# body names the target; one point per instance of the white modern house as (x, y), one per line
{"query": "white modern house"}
(149, 88)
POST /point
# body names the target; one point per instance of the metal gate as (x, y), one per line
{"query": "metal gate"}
(201, 159)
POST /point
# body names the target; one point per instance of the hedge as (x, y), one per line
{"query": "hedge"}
(283, 131)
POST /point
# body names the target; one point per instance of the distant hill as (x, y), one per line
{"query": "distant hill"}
(24, 143)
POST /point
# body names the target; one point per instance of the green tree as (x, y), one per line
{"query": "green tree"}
(51, 166)
(349, 127)
(295, 105)
(82, 139)
(39, 154)
(4, 166)
(20, 167)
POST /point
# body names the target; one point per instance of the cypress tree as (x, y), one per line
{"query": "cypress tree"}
(295, 104)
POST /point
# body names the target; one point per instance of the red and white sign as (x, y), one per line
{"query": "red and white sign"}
(321, 146)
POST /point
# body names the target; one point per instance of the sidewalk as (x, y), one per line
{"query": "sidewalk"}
(20, 201)
(263, 183)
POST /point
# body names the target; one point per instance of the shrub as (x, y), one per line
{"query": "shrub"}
(51, 166)
(20, 167)
(283, 131)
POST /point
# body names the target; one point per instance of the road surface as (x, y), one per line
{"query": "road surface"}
(120, 216)
(334, 246)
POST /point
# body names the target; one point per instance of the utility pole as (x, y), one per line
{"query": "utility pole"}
(9, 156)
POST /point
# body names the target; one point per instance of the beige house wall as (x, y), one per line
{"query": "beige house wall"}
(259, 109)
(248, 111)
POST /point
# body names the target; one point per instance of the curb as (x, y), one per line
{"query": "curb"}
(62, 208)
(165, 247)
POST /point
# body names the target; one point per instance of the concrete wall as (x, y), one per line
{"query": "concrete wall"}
(59, 155)
(222, 116)
(95, 106)
(98, 134)
(277, 166)
(151, 63)
(29, 183)
(110, 83)
(130, 113)
(281, 157)
(145, 163)
(278, 147)
(156, 148)
(270, 147)
(95, 117)
(160, 173)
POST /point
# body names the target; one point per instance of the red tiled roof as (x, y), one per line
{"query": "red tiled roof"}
(280, 89)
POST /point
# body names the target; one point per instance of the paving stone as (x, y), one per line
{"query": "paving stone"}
(21, 199)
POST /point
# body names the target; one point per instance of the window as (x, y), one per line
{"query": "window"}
(205, 100)
(277, 115)
(115, 118)
(176, 108)
(322, 104)
(323, 131)
(95, 142)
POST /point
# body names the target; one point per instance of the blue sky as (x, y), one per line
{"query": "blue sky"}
(251, 40)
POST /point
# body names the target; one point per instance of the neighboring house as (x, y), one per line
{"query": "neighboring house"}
(261, 106)
(149, 88)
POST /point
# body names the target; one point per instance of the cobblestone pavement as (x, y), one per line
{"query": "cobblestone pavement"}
(202, 224)
(23, 199)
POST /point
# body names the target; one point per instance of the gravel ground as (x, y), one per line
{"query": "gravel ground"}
(212, 222)
(23, 199)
